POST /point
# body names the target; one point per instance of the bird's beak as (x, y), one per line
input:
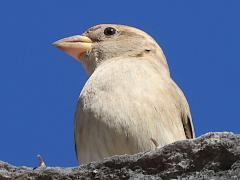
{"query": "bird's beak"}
(75, 46)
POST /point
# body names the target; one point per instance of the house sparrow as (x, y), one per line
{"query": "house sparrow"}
(129, 103)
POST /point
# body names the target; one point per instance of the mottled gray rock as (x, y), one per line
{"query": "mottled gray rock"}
(211, 156)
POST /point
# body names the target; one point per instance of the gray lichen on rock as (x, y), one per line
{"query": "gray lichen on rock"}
(211, 156)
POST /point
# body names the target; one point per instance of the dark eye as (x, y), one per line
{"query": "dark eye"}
(109, 31)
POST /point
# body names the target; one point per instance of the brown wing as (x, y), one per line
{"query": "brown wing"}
(188, 127)
(185, 112)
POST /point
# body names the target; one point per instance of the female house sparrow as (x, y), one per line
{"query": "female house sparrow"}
(130, 103)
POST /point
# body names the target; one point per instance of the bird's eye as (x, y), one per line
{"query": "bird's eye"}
(109, 31)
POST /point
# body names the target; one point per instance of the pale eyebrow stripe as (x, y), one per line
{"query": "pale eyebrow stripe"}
(129, 33)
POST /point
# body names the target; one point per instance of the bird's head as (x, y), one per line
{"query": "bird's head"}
(106, 41)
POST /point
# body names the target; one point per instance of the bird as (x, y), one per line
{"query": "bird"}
(130, 103)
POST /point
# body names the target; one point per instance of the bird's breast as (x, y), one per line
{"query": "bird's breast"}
(121, 108)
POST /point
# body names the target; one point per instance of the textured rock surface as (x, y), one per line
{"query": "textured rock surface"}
(211, 156)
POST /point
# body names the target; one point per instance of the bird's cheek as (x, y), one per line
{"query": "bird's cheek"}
(94, 54)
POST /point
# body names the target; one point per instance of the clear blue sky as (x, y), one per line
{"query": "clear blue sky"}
(40, 85)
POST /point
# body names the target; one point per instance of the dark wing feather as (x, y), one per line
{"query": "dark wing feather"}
(185, 112)
(188, 127)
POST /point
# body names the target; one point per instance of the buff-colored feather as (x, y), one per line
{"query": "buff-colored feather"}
(130, 103)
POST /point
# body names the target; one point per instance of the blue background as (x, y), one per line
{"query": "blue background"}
(40, 85)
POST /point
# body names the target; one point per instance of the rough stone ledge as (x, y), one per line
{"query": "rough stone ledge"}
(211, 156)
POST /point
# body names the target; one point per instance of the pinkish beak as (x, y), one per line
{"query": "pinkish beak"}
(75, 46)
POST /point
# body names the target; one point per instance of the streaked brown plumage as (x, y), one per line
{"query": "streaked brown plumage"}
(130, 101)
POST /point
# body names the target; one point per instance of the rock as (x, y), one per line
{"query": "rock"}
(211, 156)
